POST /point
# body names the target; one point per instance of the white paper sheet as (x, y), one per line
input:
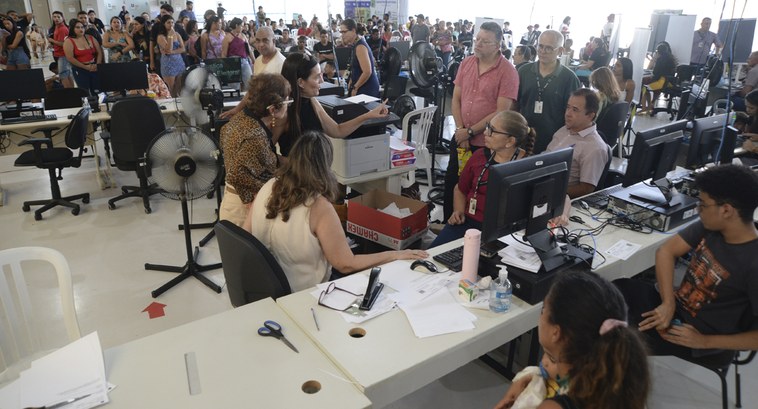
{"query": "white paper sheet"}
(412, 286)
(439, 314)
(623, 249)
(341, 300)
(519, 255)
(70, 372)
(361, 99)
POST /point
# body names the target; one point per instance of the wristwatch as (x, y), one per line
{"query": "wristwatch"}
(470, 133)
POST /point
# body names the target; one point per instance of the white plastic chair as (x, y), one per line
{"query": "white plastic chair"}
(20, 340)
(420, 134)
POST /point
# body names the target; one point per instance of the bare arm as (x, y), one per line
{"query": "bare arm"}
(665, 258)
(203, 45)
(580, 189)
(459, 207)
(99, 51)
(225, 45)
(461, 135)
(16, 41)
(326, 226)
(344, 129)
(366, 70)
(129, 43)
(107, 39)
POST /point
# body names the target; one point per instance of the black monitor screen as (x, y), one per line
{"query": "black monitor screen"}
(22, 85)
(227, 70)
(403, 46)
(343, 55)
(525, 194)
(654, 153)
(705, 141)
(123, 76)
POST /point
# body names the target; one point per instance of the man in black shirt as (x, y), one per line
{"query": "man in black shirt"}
(89, 28)
(324, 48)
(376, 43)
(93, 20)
(22, 21)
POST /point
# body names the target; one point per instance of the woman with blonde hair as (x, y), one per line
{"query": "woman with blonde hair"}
(604, 82)
(293, 216)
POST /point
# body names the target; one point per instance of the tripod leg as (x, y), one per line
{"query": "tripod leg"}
(176, 280)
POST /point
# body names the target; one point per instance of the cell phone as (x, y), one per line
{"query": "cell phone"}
(373, 290)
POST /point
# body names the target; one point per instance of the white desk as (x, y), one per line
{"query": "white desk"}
(236, 366)
(391, 362)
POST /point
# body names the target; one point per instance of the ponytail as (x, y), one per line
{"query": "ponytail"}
(613, 374)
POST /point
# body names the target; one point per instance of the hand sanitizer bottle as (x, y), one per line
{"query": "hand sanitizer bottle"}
(501, 293)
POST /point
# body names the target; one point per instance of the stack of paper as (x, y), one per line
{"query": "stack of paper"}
(343, 300)
(519, 255)
(74, 373)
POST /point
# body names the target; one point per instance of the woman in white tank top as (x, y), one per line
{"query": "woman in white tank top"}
(293, 216)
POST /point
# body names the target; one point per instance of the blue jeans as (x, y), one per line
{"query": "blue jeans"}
(86, 79)
(455, 231)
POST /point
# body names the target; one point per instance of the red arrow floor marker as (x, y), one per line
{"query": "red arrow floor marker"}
(155, 310)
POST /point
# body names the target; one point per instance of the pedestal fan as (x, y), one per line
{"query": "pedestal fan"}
(202, 102)
(184, 162)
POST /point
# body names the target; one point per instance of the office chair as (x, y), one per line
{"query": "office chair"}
(134, 123)
(673, 89)
(605, 180)
(251, 271)
(61, 98)
(610, 125)
(720, 364)
(20, 340)
(51, 158)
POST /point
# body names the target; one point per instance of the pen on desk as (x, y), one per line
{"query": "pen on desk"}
(314, 318)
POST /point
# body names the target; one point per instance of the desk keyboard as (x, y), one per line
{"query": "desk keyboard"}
(26, 119)
(452, 259)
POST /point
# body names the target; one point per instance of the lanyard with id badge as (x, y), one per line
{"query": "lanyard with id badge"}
(538, 103)
(472, 202)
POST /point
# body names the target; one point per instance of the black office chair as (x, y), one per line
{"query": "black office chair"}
(604, 180)
(251, 271)
(720, 364)
(51, 158)
(134, 123)
(673, 89)
(610, 125)
(61, 98)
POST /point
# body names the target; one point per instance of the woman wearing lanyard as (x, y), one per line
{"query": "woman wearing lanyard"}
(507, 137)
(248, 143)
(362, 77)
(84, 53)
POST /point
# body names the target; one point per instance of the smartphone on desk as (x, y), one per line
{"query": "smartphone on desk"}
(373, 290)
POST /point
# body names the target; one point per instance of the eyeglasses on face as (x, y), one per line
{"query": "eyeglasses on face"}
(331, 288)
(546, 48)
(489, 129)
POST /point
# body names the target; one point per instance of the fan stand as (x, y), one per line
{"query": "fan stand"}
(191, 268)
(211, 225)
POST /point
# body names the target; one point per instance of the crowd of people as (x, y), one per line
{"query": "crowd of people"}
(279, 185)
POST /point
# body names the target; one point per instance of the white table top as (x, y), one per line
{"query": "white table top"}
(236, 366)
(390, 362)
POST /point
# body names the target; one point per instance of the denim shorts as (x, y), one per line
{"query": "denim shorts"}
(18, 57)
(64, 67)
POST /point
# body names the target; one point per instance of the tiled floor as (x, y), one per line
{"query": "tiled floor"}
(107, 250)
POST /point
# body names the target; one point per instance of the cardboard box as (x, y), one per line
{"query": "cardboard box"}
(364, 220)
(355, 157)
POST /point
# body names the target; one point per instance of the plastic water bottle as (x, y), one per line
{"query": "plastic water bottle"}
(501, 293)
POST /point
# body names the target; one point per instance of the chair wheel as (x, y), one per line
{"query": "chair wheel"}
(26, 208)
(111, 206)
(75, 211)
(148, 210)
(37, 216)
(85, 200)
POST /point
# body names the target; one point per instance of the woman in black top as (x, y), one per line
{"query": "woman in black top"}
(664, 66)
(306, 113)
(141, 39)
(363, 79)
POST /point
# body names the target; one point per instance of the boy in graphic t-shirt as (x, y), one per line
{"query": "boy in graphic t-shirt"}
(714, 311)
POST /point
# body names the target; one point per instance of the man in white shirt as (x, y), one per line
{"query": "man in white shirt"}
(270, 62)
(580, 131)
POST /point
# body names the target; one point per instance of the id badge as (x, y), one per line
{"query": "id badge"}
(472, 206)
(538, 107)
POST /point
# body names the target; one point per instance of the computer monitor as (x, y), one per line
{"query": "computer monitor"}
(526, 194)
(22, 85)
(343, 55)
(227, 70)
(122, 77)
(654, 153)
(706, 139)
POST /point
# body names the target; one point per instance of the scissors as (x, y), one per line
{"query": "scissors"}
(273, 329)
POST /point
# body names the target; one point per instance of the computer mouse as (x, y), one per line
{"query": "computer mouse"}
(163, 107)
(424, 266)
